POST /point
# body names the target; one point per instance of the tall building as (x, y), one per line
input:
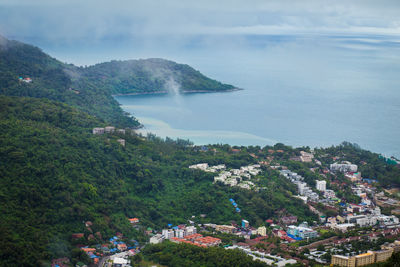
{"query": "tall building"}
(321, 185)
(168, 233)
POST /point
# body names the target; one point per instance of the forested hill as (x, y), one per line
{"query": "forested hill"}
(48, 79)
(90, 89)
(148, 76)
(55, 174)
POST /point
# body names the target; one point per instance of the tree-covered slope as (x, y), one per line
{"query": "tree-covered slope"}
(55, 174)
(150, 75)
(50, 80)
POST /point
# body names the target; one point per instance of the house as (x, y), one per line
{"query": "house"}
(121, 141)
(122, 247)
(133, 220)
(77, 235)
(109, 129)
(26, 80)
(98, 130)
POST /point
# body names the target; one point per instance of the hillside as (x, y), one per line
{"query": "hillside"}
(90, 89)
(55, 174)
(49, 80)
(149, 76)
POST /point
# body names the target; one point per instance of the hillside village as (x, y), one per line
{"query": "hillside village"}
(283, 239)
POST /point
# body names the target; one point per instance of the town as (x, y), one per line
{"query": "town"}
(346, 233)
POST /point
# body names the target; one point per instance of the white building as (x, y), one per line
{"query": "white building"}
(329, 193)
(180, 233)
(321, 185)
(343, 167)
(121, 141)
(301, 187)
(156, 239)
(190, 230)
(262, 231)
(98, 130)
(168, 233)
(109, 129)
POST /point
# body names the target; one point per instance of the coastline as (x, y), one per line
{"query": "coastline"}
(182, 92)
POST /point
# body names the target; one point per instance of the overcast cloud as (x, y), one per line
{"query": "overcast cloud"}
(70, 19)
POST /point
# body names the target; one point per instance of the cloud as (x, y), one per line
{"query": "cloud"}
(94, 20)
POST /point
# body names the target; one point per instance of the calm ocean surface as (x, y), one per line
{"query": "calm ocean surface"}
(288, 113)
(301, 92)
(298, 90)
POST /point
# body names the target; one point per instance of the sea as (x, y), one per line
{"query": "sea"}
(300, 90)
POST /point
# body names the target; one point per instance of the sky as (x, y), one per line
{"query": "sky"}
(159, 28)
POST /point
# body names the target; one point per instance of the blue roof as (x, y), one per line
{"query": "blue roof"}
(231, 200)
(295, 238)
(175, 227)
(169, 225)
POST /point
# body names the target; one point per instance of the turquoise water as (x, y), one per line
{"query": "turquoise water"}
(298, 91)
(294, 116)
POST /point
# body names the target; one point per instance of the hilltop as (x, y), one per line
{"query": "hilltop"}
(153, 75)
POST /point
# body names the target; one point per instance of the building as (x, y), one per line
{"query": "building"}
(98, 130)
(109, 129)
(383, 255)
(245, 223)
(225, 228)
(121, 141)
(180, 233)
(122, 247)
(168, 233)
(301, 187)
(363, 259)
(306, 157)
(343, 167)
(329, 193)
(262, 231)
(133, 220)
(190, 230)
(301, 232)
(321, 185)
(121, 131)
(353, 176)
(345, 261)
(156, 239)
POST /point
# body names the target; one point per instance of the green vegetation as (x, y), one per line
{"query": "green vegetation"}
(90, 89)
(370, 164)
(147, 76)
(50, 80)
(55, 174)
(171, 254)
